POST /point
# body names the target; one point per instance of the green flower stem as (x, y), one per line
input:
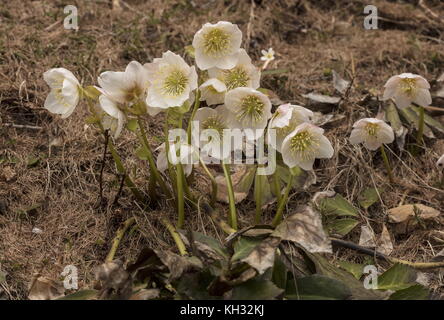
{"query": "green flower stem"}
(193, 113)
(258, 182)
(281, 205)
(176, 237)
(153, 169)
(213, 183)
(119, 235)
(420, 133)
(233, 215)
(387, 164)
(180, 196)
(277, 187)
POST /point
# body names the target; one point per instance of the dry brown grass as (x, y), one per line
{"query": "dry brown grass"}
(310, 37)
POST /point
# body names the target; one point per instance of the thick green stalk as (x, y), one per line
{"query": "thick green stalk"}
(153, 169)
(386, 163)
(281, 205)
(258, 182)
(176, 237)
(120, 233)
(233, 215)
(277, 187)
(180, 195)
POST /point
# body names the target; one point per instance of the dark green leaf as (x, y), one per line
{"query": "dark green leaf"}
(415, 292)
(256, 289)
(317, 287)
(398, 277)
(243, 247)
(338, 206)
(342, 226)
(355, 269)
(369, 197)
(280, 272)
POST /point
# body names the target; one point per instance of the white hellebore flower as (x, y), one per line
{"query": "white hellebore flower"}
(243, 74)
(286, 118)
(407, 88)
(179, 153)
(267, 55)
(172, 81)
(249, 109)
(212, 123)
(114, 118)
(306, 143)
(212, 91)
(128, 87)
(372, 133)
(440, 162)
(65, 91)
(216, 45)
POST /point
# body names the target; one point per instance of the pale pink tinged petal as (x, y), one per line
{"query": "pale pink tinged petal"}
(287, 156)
(423, 97)
(109, 106)
(422, 83)
(402, 100)
(325, 148)
(204, 113)
(53, 78)
(357, 136)
(372, 144)
(390, 92)
(386, 134)
(132, 72)
(393, 81)
(360, 123)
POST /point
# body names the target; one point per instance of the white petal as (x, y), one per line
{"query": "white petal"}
(109, 106)
(357, 136)
(402, 100)
(325, 148)
(422, 97)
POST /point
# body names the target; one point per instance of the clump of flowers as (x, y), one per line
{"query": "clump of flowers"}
(221, 100)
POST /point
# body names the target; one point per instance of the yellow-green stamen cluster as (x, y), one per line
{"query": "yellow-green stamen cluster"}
(408, 85)
(235, 78)
(372, 129)
(216, 42)
(175, 83)
(133, 93)
(252, 108)
(214, 123)
(303, 143)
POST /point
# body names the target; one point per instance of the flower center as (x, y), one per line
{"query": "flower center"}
(133, 93)
(175, 83)
(216, 42)
(372, 129)
(302, 142)
(214, 123)
(408, 85)
(251, 107)
(235, 78)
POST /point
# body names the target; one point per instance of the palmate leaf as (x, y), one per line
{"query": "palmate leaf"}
(398, 277)
(337, 206)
